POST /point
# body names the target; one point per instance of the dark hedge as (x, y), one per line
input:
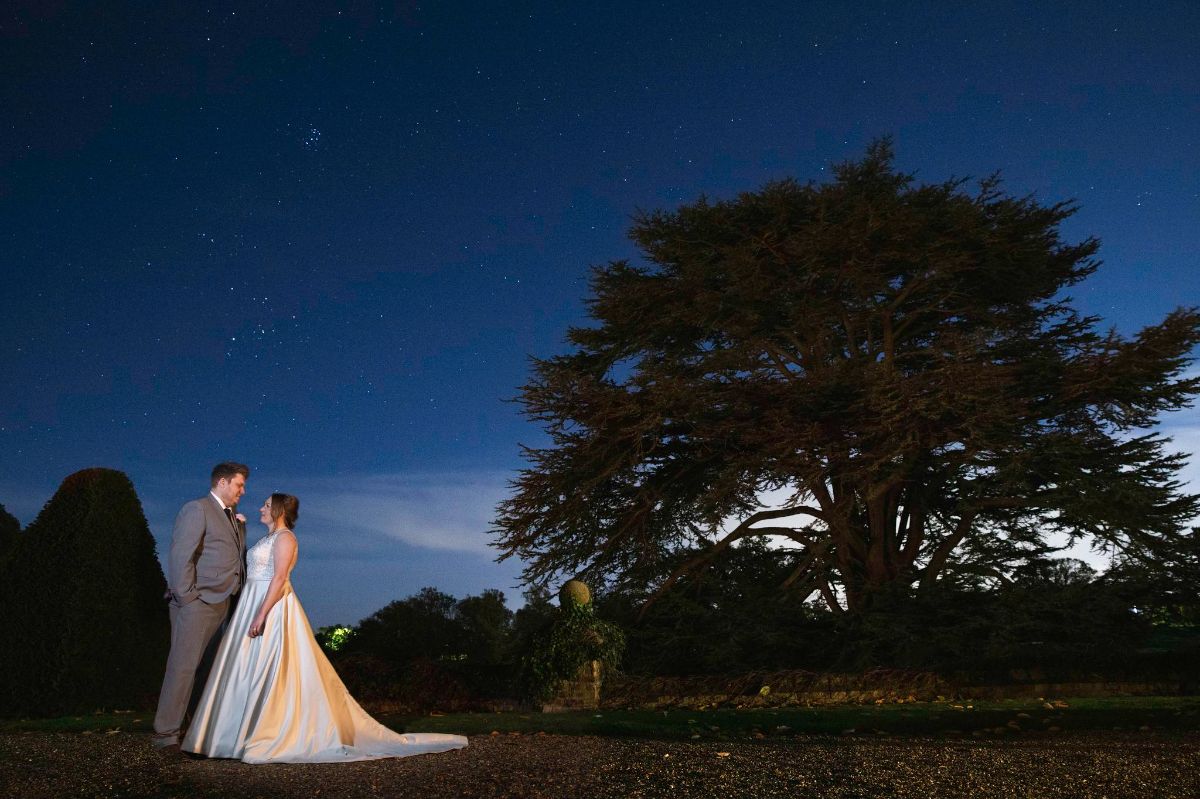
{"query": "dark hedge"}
(10, 532)
(81, 603)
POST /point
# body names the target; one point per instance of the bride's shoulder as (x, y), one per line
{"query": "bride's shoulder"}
(285, 537)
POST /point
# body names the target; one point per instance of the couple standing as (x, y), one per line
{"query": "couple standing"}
(271, 694)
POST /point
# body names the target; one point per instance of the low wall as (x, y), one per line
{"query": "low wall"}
(1076, 689)
(580, 693)
(811, 689)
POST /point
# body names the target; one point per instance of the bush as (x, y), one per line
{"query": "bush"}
(431, 650)
(83, 591)
(415, 686)
(728, 619)
(10, 531)
(1054, 619)
(575, 636)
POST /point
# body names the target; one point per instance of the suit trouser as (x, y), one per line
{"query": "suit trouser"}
(195, 635)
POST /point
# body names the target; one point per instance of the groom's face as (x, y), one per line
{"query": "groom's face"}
(230, 489)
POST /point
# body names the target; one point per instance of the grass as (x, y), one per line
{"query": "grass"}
(1156, 713)
(1126, 713)
(123, 720)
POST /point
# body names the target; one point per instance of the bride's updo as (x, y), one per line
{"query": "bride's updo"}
(287, 507)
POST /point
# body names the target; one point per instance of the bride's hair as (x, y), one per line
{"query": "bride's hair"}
(287, 507)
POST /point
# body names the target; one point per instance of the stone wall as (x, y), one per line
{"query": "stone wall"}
(580, 693)
(802, 688)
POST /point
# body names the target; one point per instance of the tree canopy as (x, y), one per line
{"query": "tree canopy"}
(900, 359)
(436, 626)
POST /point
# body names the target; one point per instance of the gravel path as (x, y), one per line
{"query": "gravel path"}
(1108, 765)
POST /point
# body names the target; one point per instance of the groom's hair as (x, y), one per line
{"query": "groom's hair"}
(226, 471)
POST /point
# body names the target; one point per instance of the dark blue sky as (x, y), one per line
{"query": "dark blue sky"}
(325, 242)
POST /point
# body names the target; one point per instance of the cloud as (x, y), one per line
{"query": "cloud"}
(441, 511)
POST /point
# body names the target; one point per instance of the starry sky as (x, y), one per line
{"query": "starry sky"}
(325, 239)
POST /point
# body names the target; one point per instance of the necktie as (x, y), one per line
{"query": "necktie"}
(238, 537)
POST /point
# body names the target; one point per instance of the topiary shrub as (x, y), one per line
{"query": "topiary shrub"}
(575, 636)
(10, 531)
(574, 592)
(82, 599)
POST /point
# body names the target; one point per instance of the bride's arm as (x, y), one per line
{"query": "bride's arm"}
(284, 552)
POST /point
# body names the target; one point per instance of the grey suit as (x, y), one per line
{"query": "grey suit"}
(205, 567)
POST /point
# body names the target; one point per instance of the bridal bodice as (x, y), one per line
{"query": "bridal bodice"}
(260, 558)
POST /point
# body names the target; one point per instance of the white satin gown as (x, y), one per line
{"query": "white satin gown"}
(277, 699)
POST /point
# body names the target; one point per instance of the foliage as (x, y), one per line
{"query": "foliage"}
(436, 626)
(575, 637)
(431, 639)
(334, 637)
(574, 592)
(530, 622)
(420, 626)
(1055, 619)
(1167, 589)
(484, 622)
(729, 618)
(417, 685)
(900, 358)
(10, 531)
(84, 587)
(432, 649)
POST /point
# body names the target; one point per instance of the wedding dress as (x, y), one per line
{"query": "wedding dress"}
(277, 699)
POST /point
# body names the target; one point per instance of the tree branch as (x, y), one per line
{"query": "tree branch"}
(743, 530)
(830, 599)
(814, 556)
(778, 359)
(942, 553)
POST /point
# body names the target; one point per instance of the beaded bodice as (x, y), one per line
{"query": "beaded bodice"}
(260, 558)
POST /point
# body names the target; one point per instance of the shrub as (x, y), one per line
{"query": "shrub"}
(83, 589)
(10, 531)
(576, 636)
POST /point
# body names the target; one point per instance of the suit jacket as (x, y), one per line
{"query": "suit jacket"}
(208, 554)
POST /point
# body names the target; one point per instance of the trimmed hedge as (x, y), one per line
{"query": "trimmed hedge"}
(81, 599)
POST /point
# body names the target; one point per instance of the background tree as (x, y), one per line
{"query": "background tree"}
(484, 623)
(1055, 619)
(530, 624)
(421, 626)
(84, 596)
(727, 619)
(1167, 590)
(900, 358)
(431, 650)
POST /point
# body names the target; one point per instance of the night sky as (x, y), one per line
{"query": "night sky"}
(325, 243)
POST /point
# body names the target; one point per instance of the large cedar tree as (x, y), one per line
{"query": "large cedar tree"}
(901, 358)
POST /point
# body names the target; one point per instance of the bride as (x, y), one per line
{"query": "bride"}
(272, 696)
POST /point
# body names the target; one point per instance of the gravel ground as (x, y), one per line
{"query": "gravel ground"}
(1076, 765)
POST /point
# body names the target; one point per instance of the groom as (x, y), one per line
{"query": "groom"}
(206, 568)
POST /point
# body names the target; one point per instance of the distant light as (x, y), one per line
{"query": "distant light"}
(337, 637)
